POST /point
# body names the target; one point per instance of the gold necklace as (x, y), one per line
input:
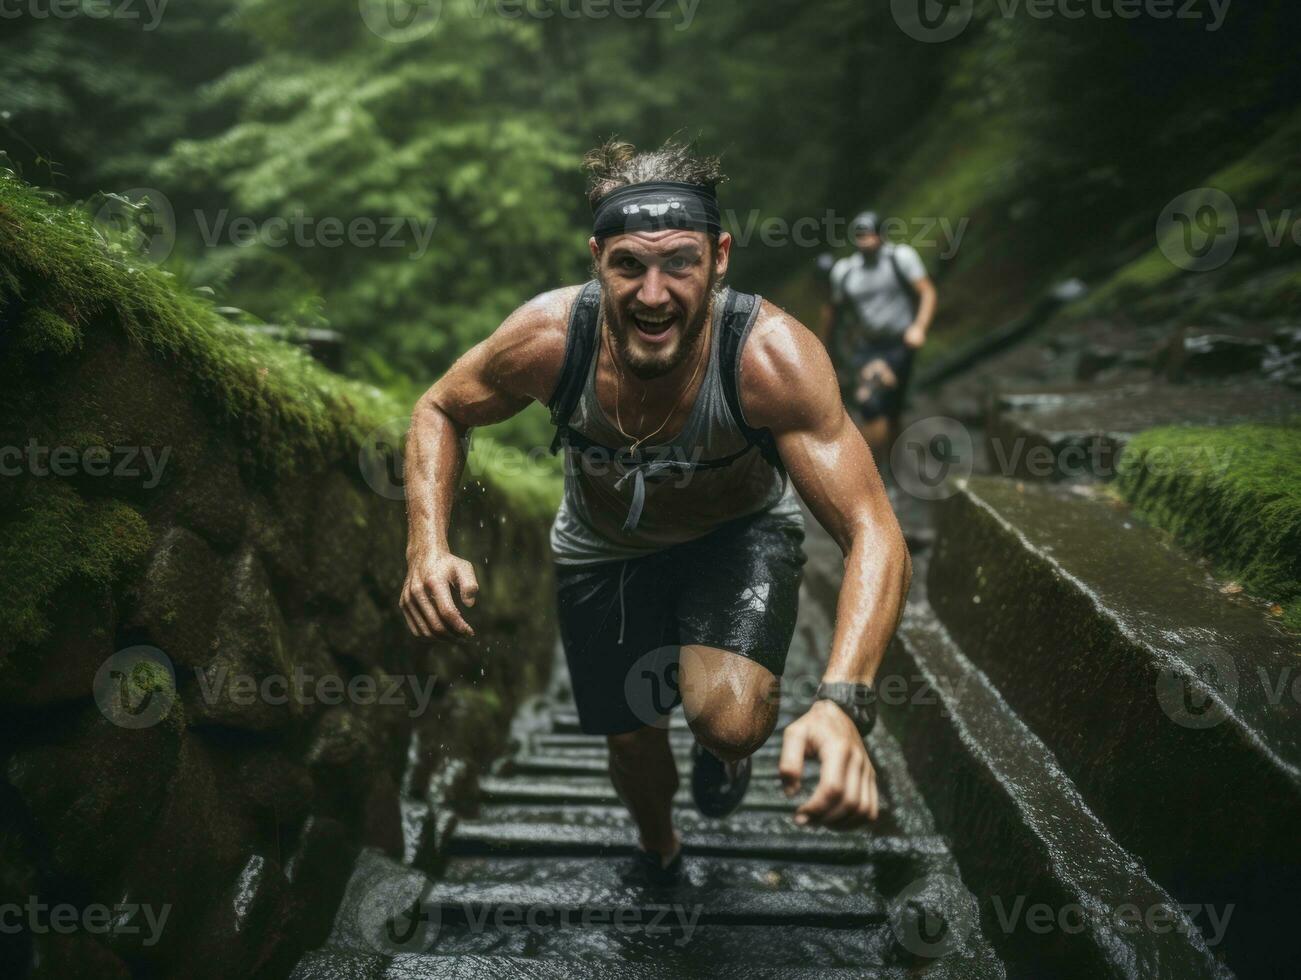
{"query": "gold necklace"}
(635, 444)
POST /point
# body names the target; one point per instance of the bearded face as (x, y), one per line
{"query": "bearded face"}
(658, 289)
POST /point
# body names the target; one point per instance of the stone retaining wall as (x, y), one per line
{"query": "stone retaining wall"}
(196, 783)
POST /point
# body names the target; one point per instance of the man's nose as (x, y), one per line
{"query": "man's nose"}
(654, 291)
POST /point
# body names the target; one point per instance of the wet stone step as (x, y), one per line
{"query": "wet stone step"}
(1021, 832)
(335, 964)
(531, 837)
(1077, 431)
(703, 874)
(671, 949)
(591, 789)
(389, 909)
(565, 722)
(687, 819)
(1168, 704)
(764, 767)
(594, 746)
(332, 964)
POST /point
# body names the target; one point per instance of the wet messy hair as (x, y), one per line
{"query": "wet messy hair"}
(617, 164)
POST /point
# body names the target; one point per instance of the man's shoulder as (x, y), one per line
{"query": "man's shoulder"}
(908, 257)
(529, 346)
(842, 267)
(782, 363)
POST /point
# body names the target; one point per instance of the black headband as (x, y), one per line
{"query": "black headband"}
(656, 207)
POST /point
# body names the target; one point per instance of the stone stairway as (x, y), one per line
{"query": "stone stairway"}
(1066, 792)
(527, 883)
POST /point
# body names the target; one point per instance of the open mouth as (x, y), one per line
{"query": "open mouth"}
(654, 327)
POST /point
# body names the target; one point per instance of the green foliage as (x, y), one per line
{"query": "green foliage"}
(1231, 493)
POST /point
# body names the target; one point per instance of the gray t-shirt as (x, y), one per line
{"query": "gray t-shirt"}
(872, 286)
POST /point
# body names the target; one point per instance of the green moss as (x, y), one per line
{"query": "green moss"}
(54, 537)
(42, 330)
(1232, 494)
(273, 397)
(64, 281)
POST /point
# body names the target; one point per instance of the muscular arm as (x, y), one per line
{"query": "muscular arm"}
(495, 380)
(927, 301)
(788, 385)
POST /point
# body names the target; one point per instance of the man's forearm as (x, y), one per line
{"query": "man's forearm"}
(928, 301)
(434, 463)
(871, 601)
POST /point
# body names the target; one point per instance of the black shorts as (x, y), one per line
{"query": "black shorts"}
(622, 622)
(883, 401)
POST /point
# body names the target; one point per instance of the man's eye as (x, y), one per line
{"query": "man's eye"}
(628, 263)
(678, 264)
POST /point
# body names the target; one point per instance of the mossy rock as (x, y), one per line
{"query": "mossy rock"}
(94, 795)
(354, 633)
(241, 685)
(338, 538)
(198, 834)
(173, 604)
(62, 667)
(53, 537)
(248, 927)
(210, 497)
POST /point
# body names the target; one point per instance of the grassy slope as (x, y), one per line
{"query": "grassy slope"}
(58, 279)
(1231, 493)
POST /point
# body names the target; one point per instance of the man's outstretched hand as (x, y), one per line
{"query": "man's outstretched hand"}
(427, 601)
(846, 793)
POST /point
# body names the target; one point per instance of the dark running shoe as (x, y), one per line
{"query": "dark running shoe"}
(718, 787)
(647, 870)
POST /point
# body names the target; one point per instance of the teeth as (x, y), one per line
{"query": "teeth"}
(655, 319)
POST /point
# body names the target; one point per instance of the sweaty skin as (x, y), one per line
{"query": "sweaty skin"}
(788, 385)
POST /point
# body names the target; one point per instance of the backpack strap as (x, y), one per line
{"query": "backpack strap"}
(739, 313)
(580, 346)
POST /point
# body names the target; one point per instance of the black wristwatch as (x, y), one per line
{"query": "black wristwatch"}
(856, 700)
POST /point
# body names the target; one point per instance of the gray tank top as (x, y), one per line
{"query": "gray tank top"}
(681, 503)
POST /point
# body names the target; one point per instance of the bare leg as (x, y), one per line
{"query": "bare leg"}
(730, 702)
(646, 778)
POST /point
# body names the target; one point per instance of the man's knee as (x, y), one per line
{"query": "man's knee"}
(733, 735)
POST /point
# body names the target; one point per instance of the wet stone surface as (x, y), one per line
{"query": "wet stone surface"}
(532, 881)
